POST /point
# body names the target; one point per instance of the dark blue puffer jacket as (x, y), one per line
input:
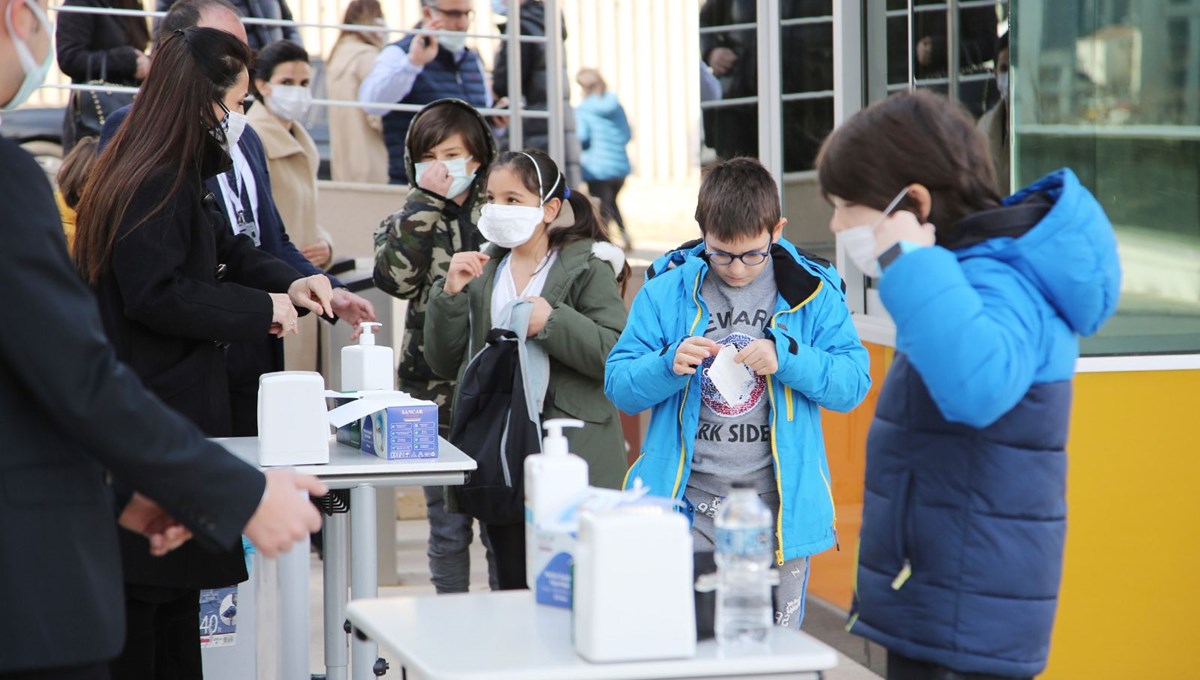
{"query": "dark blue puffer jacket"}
(442, 78)
(964, 515)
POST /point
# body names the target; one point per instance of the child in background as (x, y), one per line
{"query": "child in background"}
(784, 312)
(548, 247)
(71, 178)
(448, 146)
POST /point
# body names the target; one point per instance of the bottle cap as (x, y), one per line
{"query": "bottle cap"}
(555, 442)
(368, 336)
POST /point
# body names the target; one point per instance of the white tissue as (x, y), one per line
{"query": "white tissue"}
(734, 381)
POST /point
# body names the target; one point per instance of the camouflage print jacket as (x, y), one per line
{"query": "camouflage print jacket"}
(413, 248)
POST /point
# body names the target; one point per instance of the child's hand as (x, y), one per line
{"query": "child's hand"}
(691, 353)
(436, 179)
(902, 226)
(759, 356)
(539, 317)
(463, 268)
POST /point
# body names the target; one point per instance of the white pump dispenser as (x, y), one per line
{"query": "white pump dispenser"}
(367, 366)
(553, 480)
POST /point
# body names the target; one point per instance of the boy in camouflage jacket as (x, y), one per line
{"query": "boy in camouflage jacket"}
(449, 144)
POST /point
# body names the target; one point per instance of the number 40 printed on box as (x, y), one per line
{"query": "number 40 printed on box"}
(218, 617)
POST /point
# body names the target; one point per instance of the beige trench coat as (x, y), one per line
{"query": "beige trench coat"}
(356, 143)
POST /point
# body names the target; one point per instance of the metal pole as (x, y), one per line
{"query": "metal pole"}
(364, 579)
(770, 91)
(516, 130)
(337, 653)
(848, 71)
(912, 48)
(952, 48)
(293, 609)
(554, 84)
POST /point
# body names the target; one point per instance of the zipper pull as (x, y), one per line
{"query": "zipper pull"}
(902, 577)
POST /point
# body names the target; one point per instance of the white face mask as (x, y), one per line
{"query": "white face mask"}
(509, 226)
(35, 73)
(290, 102)
(454, 43)
(859, 242)
(233, 125)
(460, 177)
(1002, 85)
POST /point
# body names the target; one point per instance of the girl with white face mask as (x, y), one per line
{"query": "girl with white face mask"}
(548, 248)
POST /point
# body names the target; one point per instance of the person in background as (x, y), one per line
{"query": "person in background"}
(449, 144)
(548, 247)
(604, 133)
(174, 286)
(72, 176)
(423, 69)
(994, 123)
(534, 89)
(964, 517)
(258, 35)
(252, 211)
(357, 151)
(70, 471)
(747, 288)
(282, 84)
(99, 47)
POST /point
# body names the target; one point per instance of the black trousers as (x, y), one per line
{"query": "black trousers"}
(606, 190)
(508, 548)
(162, 635)
(97, 671)
(903, 668)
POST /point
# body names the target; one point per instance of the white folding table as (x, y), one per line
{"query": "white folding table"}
(508, 636)
(348, 468)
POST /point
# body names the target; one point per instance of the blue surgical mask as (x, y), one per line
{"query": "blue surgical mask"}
(35, 74)
(500, 7)
(460, 178)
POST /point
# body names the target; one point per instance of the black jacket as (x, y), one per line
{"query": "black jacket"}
(68, 410)
(95, 46)
(165, 311)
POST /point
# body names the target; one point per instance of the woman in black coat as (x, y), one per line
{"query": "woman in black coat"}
(99, 47)
(175, 284)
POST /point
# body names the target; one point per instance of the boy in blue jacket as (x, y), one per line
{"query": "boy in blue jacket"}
(784, 313)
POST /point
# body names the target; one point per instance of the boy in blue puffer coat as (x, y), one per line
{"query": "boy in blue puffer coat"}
(964, 514)
(785, 314)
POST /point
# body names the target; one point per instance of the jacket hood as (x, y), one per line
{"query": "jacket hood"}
(1070, 254)
(797, 272)
(533, 20)
(410, 164)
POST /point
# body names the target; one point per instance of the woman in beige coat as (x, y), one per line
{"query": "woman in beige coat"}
(356, 139)
(281, 83)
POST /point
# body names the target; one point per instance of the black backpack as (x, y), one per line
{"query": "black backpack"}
(492, 425)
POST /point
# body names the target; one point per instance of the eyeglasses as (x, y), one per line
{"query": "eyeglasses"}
(456, 14)
(751, 258)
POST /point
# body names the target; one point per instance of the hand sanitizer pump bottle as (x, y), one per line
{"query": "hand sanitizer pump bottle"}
(367, 366)
(553, 480)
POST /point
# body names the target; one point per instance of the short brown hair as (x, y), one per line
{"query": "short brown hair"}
(75, 169)
(738, 199)
(911, 138)
(437, 122)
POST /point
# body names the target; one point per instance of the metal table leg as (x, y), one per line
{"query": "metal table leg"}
(293, 610)
(337, 652)
(364, 581)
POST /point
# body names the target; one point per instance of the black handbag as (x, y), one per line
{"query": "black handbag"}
(91, 108)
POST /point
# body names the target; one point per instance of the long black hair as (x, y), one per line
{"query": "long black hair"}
(168, 129)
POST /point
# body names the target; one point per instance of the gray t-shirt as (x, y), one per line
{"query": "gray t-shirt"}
(733, 443)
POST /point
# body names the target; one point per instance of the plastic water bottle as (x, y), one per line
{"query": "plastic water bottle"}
(744, 576)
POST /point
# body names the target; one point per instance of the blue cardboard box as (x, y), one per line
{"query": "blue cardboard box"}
(402, 432)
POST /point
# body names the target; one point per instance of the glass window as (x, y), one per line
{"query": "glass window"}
(729, 78)
(1111, 89)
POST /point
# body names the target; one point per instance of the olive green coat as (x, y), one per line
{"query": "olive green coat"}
(588, 316)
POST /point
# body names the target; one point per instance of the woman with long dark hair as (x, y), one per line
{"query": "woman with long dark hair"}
(548, 247)
(174, 284)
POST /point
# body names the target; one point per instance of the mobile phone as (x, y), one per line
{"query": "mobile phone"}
(425, 41)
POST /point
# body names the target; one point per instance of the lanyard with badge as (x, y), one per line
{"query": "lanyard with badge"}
(245, 222)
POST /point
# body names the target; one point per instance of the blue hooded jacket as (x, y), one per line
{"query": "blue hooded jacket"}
(603, 132)
(821, 363)
(964, 514)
